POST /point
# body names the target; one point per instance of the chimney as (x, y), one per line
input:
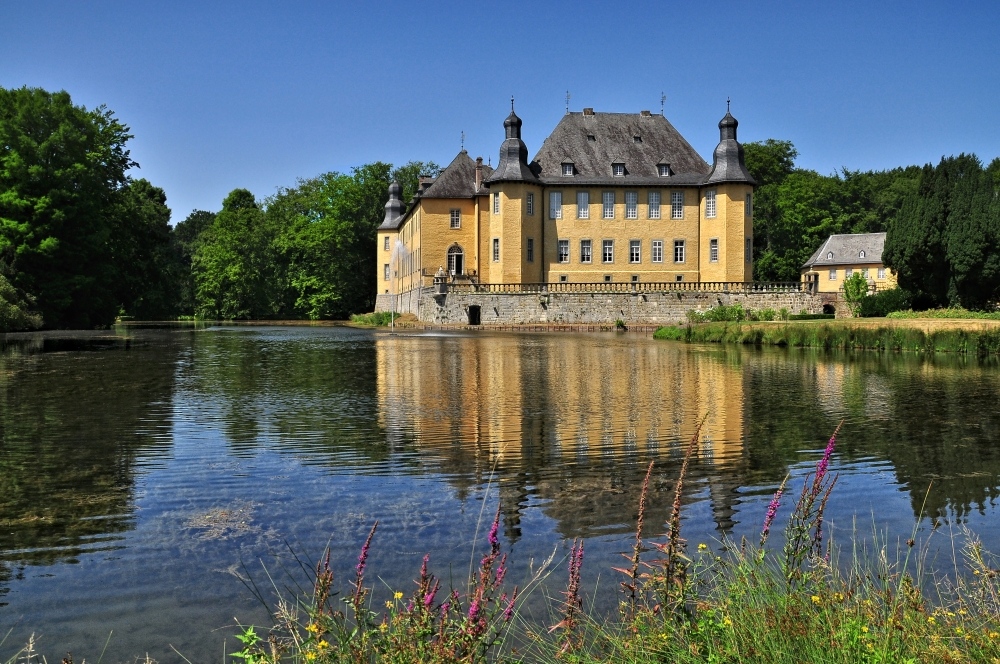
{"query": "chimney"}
(645, 114)
(425, 181)
(479, 173)
(588, 111)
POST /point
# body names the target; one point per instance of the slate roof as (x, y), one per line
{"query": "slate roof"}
(458, 179)
(614, 142)
(728, 164)
(847, 250)
(513, 165)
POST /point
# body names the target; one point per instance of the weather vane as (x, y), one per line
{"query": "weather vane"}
(663, 99)
(463, 141)
(567, 102)
(727, 104)
(512, 103)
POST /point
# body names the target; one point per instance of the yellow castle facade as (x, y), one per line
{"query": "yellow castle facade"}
(609, 197)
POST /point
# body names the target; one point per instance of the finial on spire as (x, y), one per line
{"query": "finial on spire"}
(663, 99)
(567, 102)
(512, 103)
(727, 104)
(463, 141)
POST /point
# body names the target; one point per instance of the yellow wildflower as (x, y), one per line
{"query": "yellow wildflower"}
(958, 630)
(388, 604)
(816, 599)
(703, 547)
(312, 628)
(962, 612)
(838, 596)
(398, 595)
(931, 620)
(994, 635)
(310, 656)
(975, 572)
(727, 621)
(864, 628)
(382, 627)
(322, 644)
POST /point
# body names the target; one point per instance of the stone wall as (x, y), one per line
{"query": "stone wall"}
(573, 308)
(405, 303)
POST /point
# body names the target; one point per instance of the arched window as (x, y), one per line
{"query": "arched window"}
(829, 256)
(456, 260)
(862, 254)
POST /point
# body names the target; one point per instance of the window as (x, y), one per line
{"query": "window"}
(608, 198)
(862, 254)
(531, 250)
(563, 278)
(833, 275)
(748, 205)
(635, 278)
(747, 250)
(585, 251)
(608, 247)
(677, 205)
(583, 205)
(710, 204)
(385, 272)
(496, 250)
(713, 250)
(496, 202)
(563, 251)
(634, 251)
(591, 138)
(456, 260)
(881, 273)
(653, 204)
(829, 256)
(848, 272)
(531, 203)
(864, 272)
(663, 170)
(456, 218)
(385, 245)
(607, 277)
(631, 205)
(637, 139)
(555, 205)
(567, 169)
(678, 251)
(657, 251)
(679, 277)
(618, 170)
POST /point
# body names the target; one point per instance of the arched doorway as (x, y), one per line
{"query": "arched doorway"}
(456, 260)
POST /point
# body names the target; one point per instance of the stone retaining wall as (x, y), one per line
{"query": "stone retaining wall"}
(570, 308)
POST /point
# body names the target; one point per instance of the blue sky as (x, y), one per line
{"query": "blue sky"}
(249, 94)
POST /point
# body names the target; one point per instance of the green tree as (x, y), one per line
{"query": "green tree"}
(185, 239)
(15, 309)
(234, 265)
(61, 168)
(855, 291)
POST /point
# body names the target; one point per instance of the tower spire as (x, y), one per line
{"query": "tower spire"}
(727, 104)
(512, 103)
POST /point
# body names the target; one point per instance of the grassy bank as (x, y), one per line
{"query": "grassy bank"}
(973, 337)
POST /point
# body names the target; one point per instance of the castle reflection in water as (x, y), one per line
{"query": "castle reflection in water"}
(569, 424)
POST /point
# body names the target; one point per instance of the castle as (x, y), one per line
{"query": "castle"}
(609, 197)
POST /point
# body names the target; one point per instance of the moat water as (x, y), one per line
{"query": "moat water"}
(150, 489)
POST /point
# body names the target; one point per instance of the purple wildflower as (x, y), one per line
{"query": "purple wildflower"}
(474, 610)
(429, 598)
(772, 511)
(825, 461)
(509, 611)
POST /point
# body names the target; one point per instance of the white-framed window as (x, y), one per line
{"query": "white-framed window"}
(635, 278)
(530, 202)
(385, 244)
(456, 260)
(677, 205)
(713, 250)
(848, 272)
(607, 277)
(864, 272)
(679, 277)
(861, 254)
(829, 256)
(456, 218)
(563, 251)
(583, 205)
(631, 205)
(555, 205)
(496, 202)
(586, 250)
(385, 272)
(635, 251)
(618, 170)
(657, 251)
(567, 169)
(678, 251)
(496, 250)
(748, 250)
(663, 170)
(748, 205)
(608, 251)
(833, 275)
(881, 273)
(710, 204)
(530, 250)
(653, 204)
(608, 198)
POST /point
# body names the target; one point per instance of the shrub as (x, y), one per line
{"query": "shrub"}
(855, 290)
(884, 303)
(378, 318)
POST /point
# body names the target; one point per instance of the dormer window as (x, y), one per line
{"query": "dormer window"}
(663, 170)
(567, 168)
(618, 170)
(591, 138)
(829, 256)
(637, 139)
(862, 254)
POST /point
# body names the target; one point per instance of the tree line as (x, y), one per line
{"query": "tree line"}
(83, 242)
